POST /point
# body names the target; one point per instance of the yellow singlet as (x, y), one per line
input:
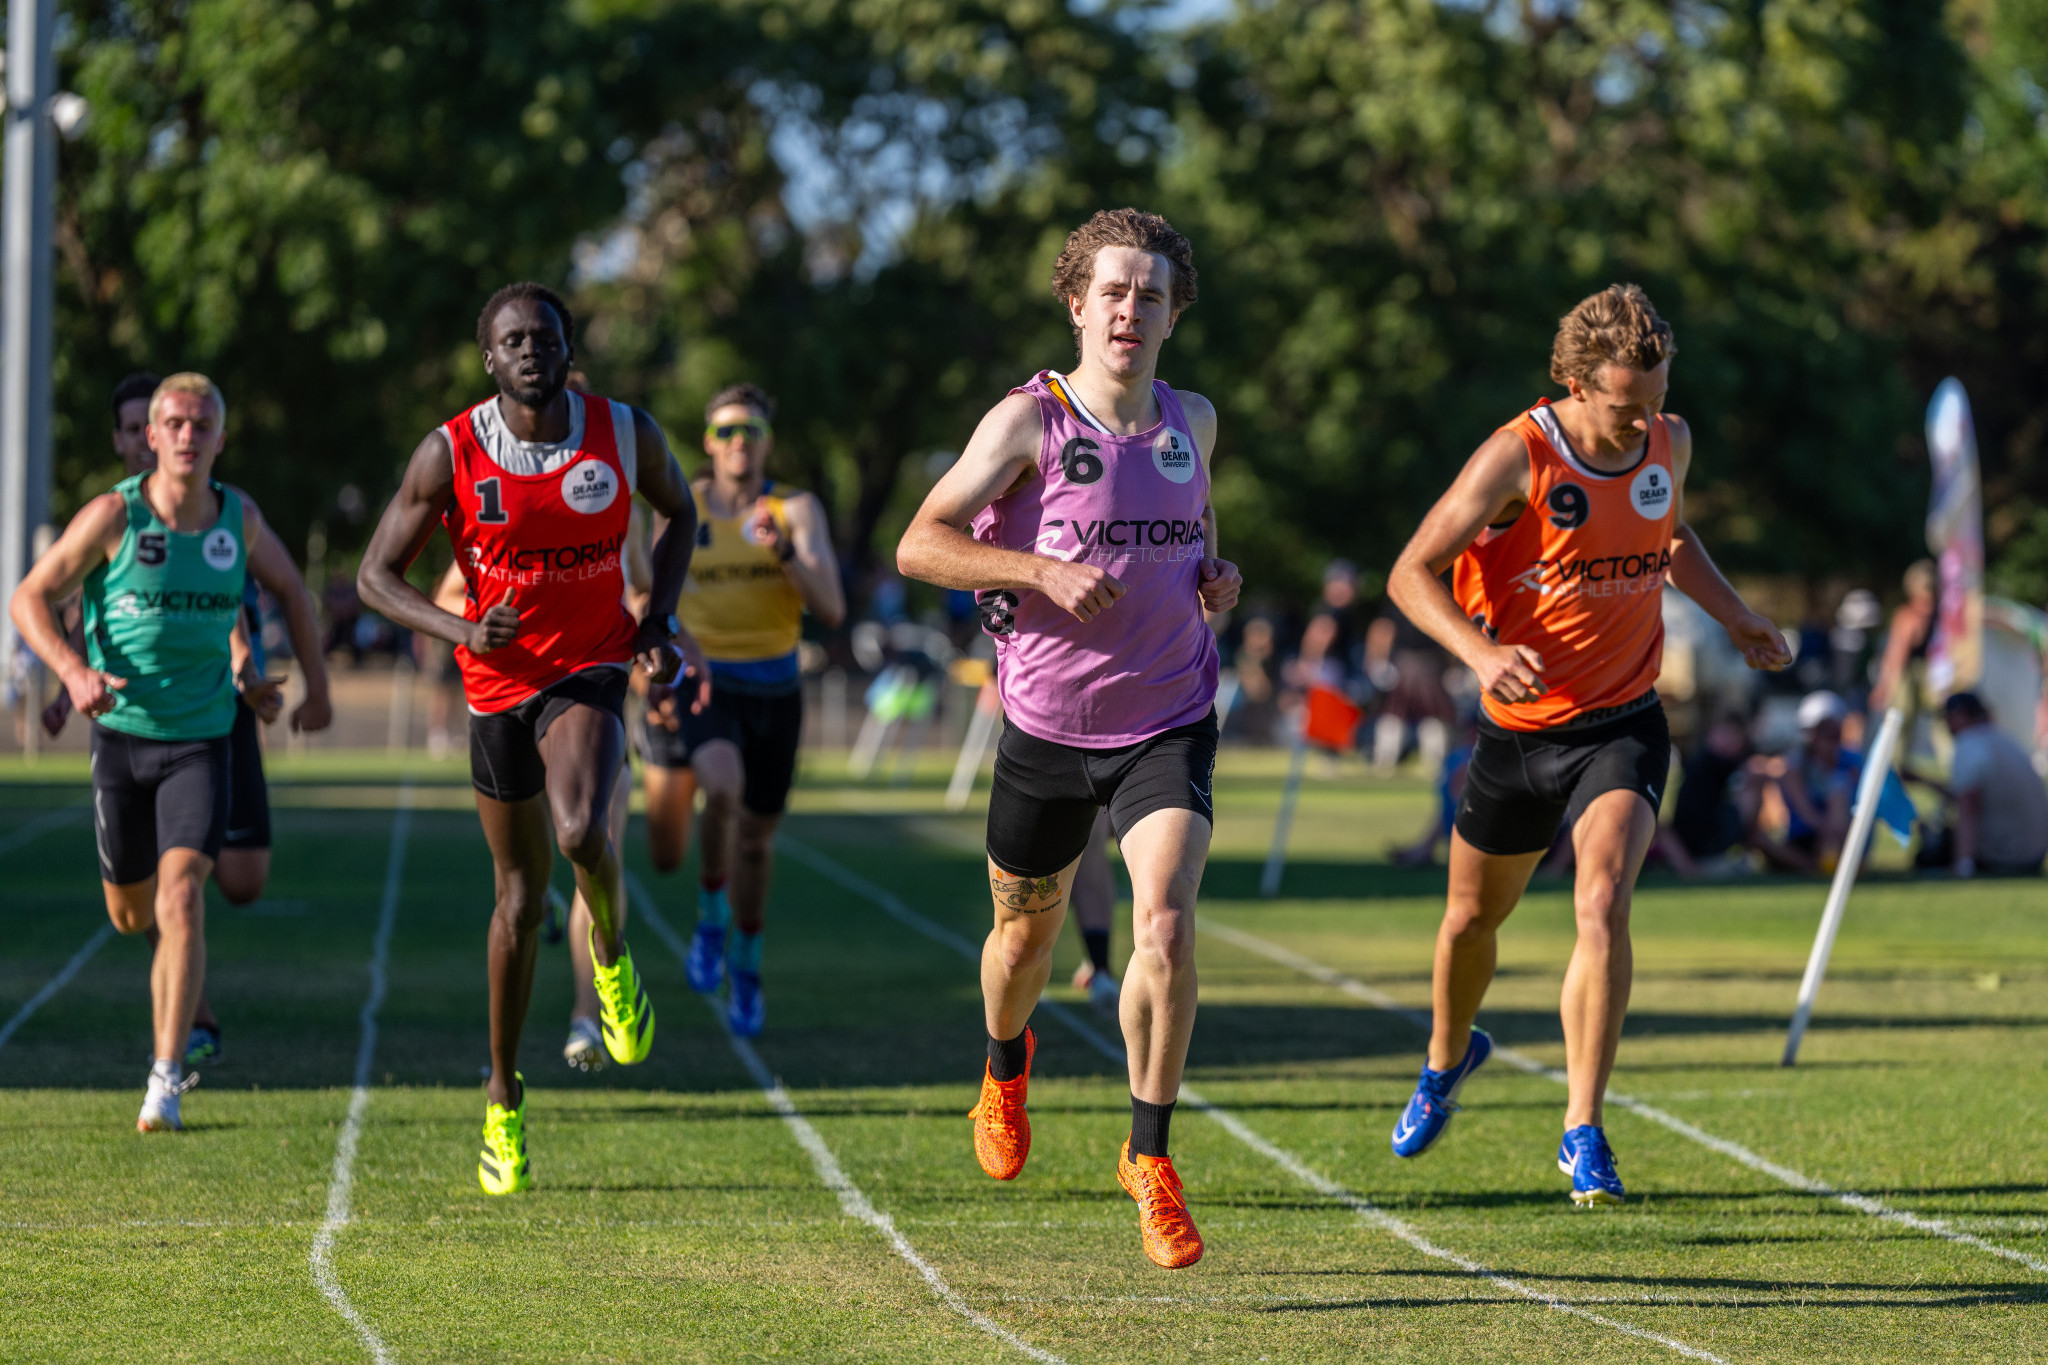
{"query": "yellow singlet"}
(737, 601)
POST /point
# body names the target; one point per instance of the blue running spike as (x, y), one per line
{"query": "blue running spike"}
(1585, 1156)
(705, 965)
(745, 1011)
(1436, 1099)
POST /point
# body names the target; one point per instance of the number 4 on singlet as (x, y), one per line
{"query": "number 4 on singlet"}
(490, 509)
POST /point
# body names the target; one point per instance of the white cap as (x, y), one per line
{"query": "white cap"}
(1816, 707)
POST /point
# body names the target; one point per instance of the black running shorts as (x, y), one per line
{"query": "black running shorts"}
(1046, 795)
(150, 796)
(765, 727)
(504, 747)
(1523, 784)
(248, 791)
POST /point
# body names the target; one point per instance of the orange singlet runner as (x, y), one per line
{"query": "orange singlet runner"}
(1578, 576)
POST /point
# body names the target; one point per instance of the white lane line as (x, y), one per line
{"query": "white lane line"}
(57, 982)
(1286, 1160)
(833, 1176)
(40, 826)
(1785, 1175)
(342, 1184)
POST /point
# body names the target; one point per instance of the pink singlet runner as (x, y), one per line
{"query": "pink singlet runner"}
(1132, 505)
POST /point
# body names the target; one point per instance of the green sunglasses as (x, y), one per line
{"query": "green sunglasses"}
(725, 431)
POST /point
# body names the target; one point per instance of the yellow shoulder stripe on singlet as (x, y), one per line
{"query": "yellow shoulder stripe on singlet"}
(1059, 391)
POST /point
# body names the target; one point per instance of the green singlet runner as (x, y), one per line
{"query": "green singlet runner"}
(160, 614)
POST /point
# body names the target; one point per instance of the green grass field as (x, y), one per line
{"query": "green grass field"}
(678, 1216)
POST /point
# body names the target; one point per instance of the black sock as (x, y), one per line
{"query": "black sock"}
(1149, 1123)
(1007, 1057)
(1097, 941)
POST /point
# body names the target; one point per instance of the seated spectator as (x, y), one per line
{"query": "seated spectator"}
(1818, 783)
(1999, 806)
(1714, 815)
(1450, 789)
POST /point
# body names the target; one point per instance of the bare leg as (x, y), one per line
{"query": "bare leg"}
(717, 769)
(242, 873)
(177, 976)
(1483, 892)
(203, 1012)
(1611, 839)
(521, 856)
(671, 792)
(587, 1005)
(1165, 853)
(1016, 958)
(753, 847)
(583, 751)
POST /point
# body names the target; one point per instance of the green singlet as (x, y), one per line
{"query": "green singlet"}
(160, 612)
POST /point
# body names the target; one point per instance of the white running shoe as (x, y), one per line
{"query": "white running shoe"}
(585, 1048)
(160, 1103)
(1102, 993)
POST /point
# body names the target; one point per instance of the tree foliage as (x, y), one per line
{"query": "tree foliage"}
(857, 202)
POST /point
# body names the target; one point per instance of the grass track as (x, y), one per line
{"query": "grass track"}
(675, 1219)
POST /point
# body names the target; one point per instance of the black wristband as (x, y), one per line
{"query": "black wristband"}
(787, 552)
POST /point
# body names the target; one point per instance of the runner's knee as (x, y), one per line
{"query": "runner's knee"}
(1164, 933)
(1601, 904)
(180, 905)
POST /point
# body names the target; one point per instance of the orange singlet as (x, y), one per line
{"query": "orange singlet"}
(1578, 576)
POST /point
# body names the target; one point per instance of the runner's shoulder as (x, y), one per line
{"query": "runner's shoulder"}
(1012, 429)
(1201, 417)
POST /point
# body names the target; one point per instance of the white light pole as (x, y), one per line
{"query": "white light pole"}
(27, 295)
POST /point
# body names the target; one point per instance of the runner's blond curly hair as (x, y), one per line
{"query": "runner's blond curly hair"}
(1618, 326)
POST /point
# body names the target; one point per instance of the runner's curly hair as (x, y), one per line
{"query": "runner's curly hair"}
(525, 289)
(1619, 326)
(1075, 269)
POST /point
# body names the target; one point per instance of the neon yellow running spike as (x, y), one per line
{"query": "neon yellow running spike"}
(502, 1168)
(627, 1015)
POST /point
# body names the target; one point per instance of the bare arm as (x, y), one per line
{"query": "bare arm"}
(661, 483)
(1492, 488)
(272, 566)
(1001, 456)
(1693, 572)
(812, 566)
(1219, 579)
(409, 521)
(91, 539)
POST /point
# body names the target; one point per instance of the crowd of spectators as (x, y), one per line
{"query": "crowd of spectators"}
(1768, 765)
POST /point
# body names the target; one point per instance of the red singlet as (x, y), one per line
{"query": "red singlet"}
(1578, 576)
(555, 537)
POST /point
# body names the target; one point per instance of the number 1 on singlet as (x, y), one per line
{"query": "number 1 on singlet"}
(492, 510)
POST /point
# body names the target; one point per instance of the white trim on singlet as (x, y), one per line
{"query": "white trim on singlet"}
(1066, 390)
(1553, 432)
(528, 458)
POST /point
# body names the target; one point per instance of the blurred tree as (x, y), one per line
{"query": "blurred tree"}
(942, 151)
(310, 200)
(1398, 198)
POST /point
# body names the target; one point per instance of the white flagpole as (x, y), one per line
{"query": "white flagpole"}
(1276, 859)
(988, 714)
(1869, 788)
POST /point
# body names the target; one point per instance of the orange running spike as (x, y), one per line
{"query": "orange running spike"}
(1002, 1130)
(1163, 1220)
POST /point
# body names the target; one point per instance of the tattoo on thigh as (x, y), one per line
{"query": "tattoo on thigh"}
(1018, 893)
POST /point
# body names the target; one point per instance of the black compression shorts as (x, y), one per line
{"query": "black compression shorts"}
(1042, 810)
(765, 727)
(248, 791)
(504, 747)
(1523, 784)
(150, 796)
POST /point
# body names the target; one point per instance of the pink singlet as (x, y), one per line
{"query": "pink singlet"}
(1131, 505)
